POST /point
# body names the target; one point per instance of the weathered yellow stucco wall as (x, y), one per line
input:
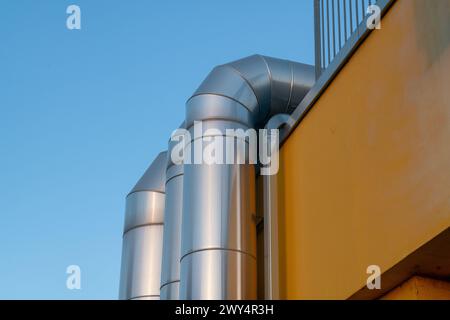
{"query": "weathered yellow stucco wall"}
(420, 288)
(365, 177)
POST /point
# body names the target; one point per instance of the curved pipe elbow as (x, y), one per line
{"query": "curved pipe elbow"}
(145, 202)
(250, 90)
(143, 231)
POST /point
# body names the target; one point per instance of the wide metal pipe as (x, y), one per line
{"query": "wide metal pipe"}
(218, 256)
(143, 235)
(170, 276)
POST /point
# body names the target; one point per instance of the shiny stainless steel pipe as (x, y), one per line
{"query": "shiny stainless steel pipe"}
(170, 274)
(270, 206)
(143, 234)
(219, 232)
(218, 256)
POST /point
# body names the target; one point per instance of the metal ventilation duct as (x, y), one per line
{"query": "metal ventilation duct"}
(143, 234)
(218, 256)
(170, 277)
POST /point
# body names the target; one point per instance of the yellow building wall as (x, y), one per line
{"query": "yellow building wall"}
(420, 288)
(365, 177)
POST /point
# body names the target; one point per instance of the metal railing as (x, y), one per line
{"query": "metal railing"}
(335, 23)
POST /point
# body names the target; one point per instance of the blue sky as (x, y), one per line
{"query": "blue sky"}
(84, 112)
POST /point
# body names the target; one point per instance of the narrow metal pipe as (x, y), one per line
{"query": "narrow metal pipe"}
(270, 207)
(143, 235)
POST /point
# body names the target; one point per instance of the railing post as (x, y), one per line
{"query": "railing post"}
(328, 23)
(317, 37)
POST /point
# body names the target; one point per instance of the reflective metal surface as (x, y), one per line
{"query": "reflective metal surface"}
(171, 290)
(219, 208)
(154, 177)
(219, 230)
(218, 274)
(264, 85)
(270, 205)
(170, 276)
(218, 225)
(143, 233)
(146, 298)
(141, 262)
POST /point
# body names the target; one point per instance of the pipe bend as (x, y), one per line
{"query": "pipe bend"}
(264, 86)
(143, 231)
(218, 231)
(145, 202)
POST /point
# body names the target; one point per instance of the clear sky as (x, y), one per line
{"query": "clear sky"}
(84, 112)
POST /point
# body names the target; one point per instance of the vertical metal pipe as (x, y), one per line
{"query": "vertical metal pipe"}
(143, 235)
(271, 258)
(170, 275)
(218, 255)
(270, 205)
